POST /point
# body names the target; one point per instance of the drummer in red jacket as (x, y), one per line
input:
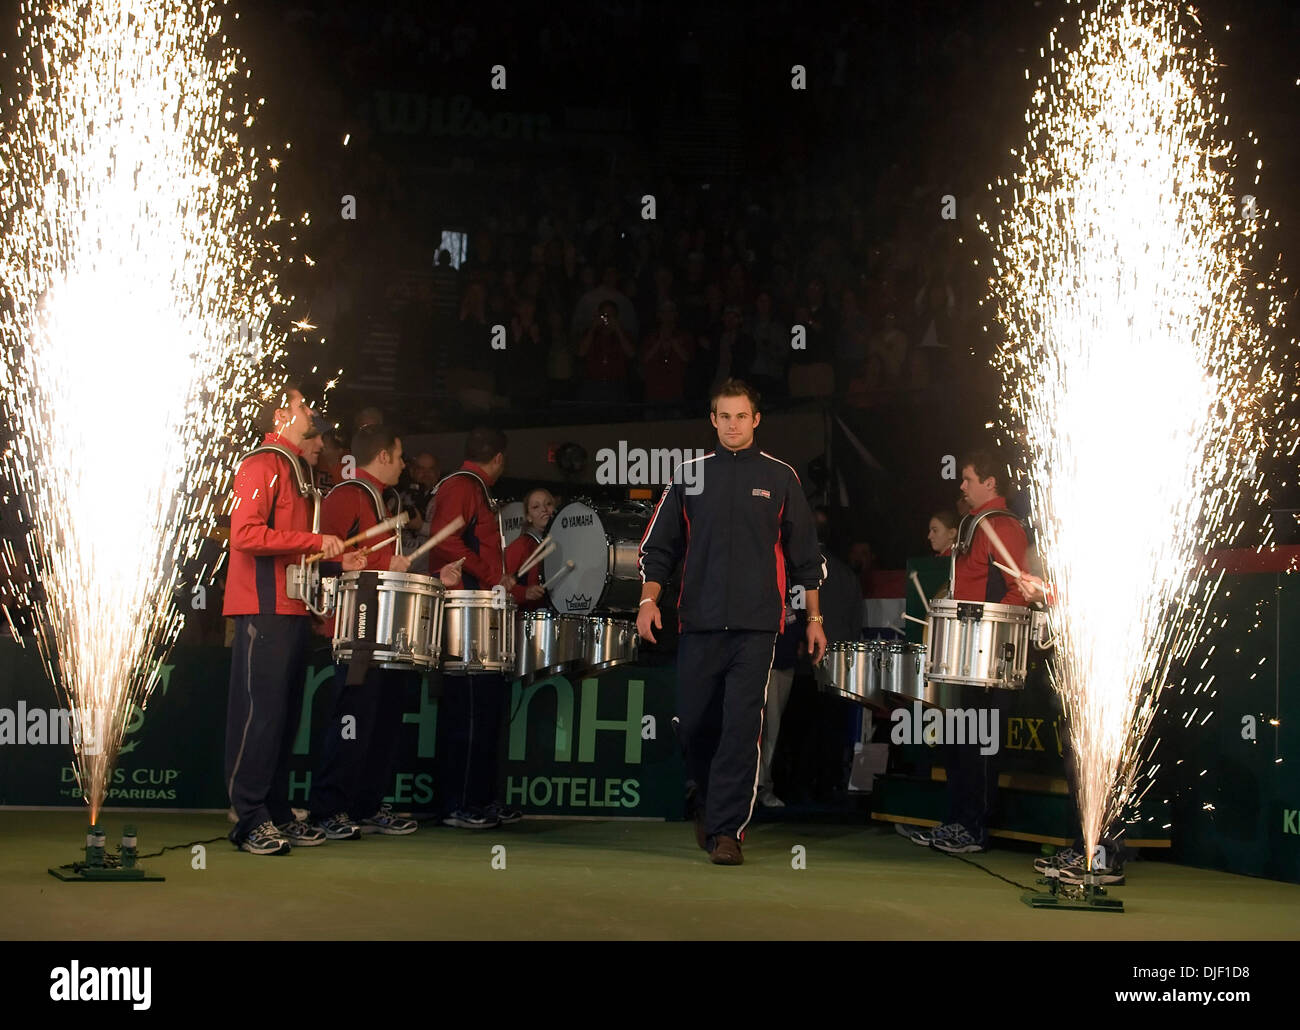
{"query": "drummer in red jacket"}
(270, 528)
(539, 507)
(472, 707)
(972, 777)
(358, 759)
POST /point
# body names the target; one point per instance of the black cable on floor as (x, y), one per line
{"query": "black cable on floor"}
(1004, 879)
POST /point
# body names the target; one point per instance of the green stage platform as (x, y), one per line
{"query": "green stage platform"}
(568, 879)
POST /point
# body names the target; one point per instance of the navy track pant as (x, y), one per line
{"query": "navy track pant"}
(471, 716)
(358, 759)
(268, 666)
(721, 690)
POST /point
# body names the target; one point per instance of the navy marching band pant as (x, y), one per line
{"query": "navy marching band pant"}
(356, 769)
(471, 712)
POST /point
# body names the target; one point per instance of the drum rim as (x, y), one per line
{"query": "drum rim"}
(392, 578)
(946, 609)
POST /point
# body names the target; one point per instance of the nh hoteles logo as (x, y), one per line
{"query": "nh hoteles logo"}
(102, 983)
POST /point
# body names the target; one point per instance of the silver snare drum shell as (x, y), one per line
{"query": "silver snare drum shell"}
(408, 625)
(851, 669)
(548, 644)
(609, 642)
(982, 644)
(902, 671)
(478, 633)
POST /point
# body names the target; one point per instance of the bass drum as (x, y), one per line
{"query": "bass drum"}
(604, 546)
(512, 522)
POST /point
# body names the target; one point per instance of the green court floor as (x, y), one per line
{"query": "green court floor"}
(583, 880)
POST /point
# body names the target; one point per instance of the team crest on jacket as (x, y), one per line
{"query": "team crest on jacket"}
(761, 493)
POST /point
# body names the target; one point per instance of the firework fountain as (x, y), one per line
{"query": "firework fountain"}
(1136, 369)
(135, 294)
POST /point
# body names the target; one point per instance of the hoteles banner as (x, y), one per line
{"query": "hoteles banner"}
(598, 745)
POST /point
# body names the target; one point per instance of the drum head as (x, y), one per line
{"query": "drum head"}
(579, 537)
(512, 522)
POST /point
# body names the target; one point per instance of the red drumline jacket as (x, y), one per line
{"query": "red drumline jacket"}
(975, 574)
(349, 509)
(479, 542)
(270, 528)
(519, 551)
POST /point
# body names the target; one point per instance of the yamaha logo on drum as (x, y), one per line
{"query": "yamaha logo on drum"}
(576, 520)
(361, 620)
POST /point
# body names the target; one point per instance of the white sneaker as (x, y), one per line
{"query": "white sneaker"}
(769, 800)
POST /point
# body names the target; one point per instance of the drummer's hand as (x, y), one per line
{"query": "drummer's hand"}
(535, 593)
(331, 546)
(399, 563)
(354, 561)
(816, 637)
(1032, 587)
(508, 581)
(450, 574)
(645, 617)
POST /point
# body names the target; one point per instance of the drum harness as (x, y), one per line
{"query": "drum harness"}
(433, 681)
(966, 537)
(302, 583)
(1044, 635)
(492, 505)
(366, 641)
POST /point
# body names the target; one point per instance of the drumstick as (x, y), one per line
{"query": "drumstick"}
(1048, 592)
(1001, 548)
(925, 601)
(395, 522)
(379, 546)
(454, 526)
(543, 549)
(913, 618)
(568, 567)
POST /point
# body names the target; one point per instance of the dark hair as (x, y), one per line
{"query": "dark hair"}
(734, 388)
(369, 442)
(274, 403)
(369, 416)
(947, 516)
(986, 468)
(484, 443)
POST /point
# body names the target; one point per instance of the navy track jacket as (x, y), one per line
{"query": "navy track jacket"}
(736, 520)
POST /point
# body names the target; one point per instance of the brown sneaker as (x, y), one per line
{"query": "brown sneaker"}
(726, 851)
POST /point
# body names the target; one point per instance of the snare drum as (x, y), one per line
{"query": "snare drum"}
(902, 670)
(604, 546)
(983, 644)
(549, 644)
(851, 669)
(478, 632)
(405, 627)
(607, 643)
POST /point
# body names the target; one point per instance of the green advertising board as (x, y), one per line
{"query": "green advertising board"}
(602, 745)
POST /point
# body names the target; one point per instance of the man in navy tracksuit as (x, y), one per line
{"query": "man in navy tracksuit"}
(729, 516)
